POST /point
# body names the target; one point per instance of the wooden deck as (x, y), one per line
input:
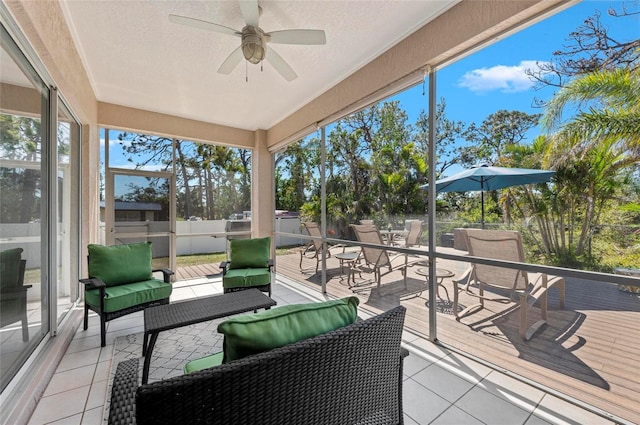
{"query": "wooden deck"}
(589, 351)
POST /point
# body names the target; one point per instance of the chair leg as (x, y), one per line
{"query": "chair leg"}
(86, 316)
(103, 331)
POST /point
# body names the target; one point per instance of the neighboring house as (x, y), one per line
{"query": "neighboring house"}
(136, 211)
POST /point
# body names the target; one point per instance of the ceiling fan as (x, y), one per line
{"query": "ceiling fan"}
(253, 45)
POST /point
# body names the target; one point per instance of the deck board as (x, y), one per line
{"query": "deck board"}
(589, 350)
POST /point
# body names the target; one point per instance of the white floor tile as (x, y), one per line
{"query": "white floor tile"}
(490, 409)
(97, 394)
(71, 420)
(421, 404)
(102, 371)
(455, 416)
(70, 379)
(514, 391)
(93, 416)
(79, 359)
(444, 383)
(59, 406)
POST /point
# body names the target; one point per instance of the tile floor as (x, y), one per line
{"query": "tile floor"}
(440, 387)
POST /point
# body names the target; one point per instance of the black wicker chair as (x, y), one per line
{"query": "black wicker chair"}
(352, 375)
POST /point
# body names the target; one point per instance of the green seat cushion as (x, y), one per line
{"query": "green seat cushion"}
(204, 363)
(240, 278)
(119, 264)
(10, 268)
(120, 297)
(254, 333)
(249, 253)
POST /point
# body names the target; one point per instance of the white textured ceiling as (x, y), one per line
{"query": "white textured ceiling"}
(135, 57)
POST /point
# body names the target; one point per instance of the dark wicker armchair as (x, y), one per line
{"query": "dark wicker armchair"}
(13, 291)
(352, 375)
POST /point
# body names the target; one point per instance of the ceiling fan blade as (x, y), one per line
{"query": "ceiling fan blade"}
(250, 12)
(280, 65)
(231, 61)
(197, 23)
(307, 37)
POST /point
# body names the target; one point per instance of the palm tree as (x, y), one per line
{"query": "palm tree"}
(608, 108)
(599, 141)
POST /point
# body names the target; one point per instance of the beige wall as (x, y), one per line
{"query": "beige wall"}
(124, 118)
(262, 190)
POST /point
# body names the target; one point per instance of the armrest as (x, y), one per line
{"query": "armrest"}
(465, 279)
(224, 265)
(93, 282)
(166, 274)
(271, 264)
(123, 393)
(404, 352)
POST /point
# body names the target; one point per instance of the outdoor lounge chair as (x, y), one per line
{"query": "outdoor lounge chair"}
(13, 292)
(504, 245)
(313, 250)
(414, 235)
(377, 260)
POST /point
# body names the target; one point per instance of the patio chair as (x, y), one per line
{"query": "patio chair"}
(121, 281)
(504, 245)
(249, 265)
(377, 260)
(13, 291)
(414, 235)
(313, 250)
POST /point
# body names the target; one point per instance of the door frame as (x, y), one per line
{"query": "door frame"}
(109, 211)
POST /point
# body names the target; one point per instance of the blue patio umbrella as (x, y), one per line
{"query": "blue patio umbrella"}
(484, 177)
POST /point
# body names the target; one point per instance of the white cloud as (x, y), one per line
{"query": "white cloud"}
(507, 79)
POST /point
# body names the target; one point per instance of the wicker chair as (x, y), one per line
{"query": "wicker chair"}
(352, 375)
(504, 245)
(13, 291)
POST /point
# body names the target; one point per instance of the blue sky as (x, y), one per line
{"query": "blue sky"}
(494, 77)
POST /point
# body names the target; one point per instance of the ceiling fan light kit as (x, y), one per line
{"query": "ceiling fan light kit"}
(253, 44)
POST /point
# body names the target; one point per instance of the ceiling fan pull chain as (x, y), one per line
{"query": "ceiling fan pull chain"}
(246, 72)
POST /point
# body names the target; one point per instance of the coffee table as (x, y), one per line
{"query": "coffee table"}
(183, 313)
(441, 274)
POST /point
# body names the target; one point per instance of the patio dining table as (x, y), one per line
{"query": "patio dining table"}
(391, 234)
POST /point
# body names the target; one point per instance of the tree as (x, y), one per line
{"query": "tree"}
(590, 48)
(602, 140)
(20, 140)
(498, 131)
(448, 132)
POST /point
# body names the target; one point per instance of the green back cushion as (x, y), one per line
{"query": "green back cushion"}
(255, 333)
(120, 264)
(10, 267)
(249, 253)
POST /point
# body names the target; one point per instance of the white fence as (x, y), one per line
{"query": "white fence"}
(207, 236)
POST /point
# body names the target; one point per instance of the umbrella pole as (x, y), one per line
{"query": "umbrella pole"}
(482, 205)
